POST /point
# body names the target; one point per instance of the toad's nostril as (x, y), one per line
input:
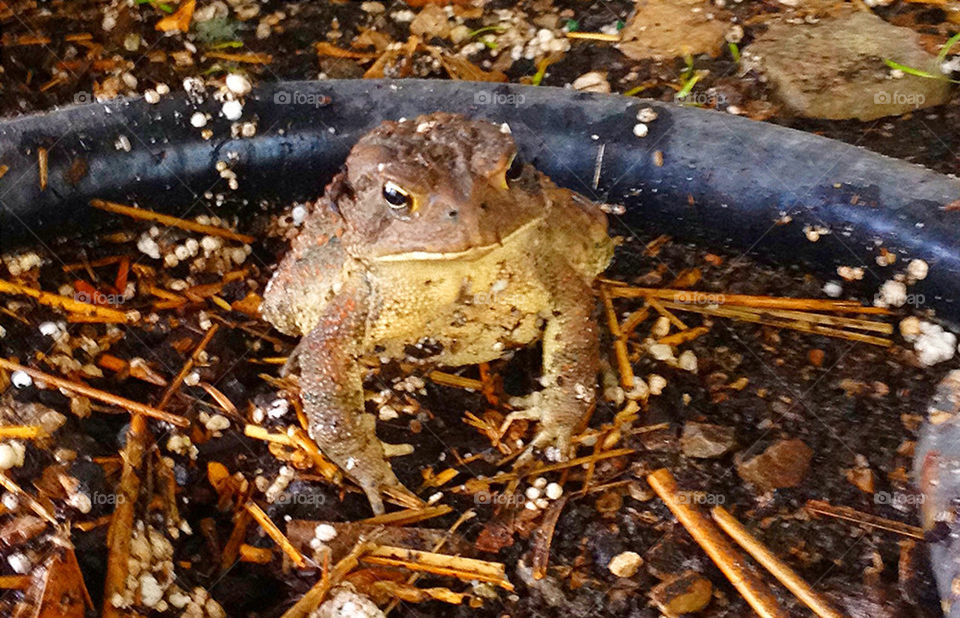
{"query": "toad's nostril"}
(453, 214)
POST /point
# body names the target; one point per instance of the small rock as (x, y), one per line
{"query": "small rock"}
(684, 594)
(625, 564)
(671, 28)
(594, 81)
(834, 68)
(431, 22)
(238, 84)
(917, 270)
(783, 464)
(232, 110)
(704, 440)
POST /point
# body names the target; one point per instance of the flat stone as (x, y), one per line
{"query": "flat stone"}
(704, 440)
(835, 68)
(672, 28)
(783, 464)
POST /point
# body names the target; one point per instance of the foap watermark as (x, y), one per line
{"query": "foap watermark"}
(96, 297)
(108, 498)
(884, 97)
(498, 499)
(298, 97)
(82, 98)
(898, 498)
(300, 499)
(701, 498)
(701, 99)
(489, 97)
(698, 298)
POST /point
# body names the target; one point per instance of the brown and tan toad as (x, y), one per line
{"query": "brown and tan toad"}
(437, 238)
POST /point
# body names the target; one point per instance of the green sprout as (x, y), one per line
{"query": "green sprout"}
(734, 51)
(921, 73)
(166, 8)
(571, 25)
(226, 44)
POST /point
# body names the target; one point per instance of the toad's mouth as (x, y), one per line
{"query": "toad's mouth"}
(465, 255)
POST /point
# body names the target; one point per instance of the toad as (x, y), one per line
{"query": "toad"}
(437, 245)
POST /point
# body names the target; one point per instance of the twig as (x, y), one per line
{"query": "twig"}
(627, 378)
(42, 159)
(315, 596)
(149, 215)
(465, 569)
(407, 516)
(720, 550)
(274, 533)
(662, 310)
(544, 538)
(465, 516)
(450, 379)
(594, 36)
(95, 393)
(619, 290)
(802, 326)
(22, 432)
(121, 525)
(784, 574)
(187, 367)
(70, 305)
(863, 519)
(10, 485)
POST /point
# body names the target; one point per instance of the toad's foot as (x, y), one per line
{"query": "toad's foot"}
(376, 478)
(557, 414)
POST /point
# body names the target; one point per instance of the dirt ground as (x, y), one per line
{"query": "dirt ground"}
(753, 389)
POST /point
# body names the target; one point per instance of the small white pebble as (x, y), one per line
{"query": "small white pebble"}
(646, 114)
(217, 422)
(325, 533)
(661, 351)
(198, 119)
(892, 294)
(917, 269)
(530, 506)
(232, 110)
(162, 89)
(238, 84)
(540, 482)
(554, 491)
(151, 96)
(532, 493)
(10, 501)
(688, 361)
(657, 383)
(21, 379)
(850, 273)
(640, 129)
(625, 564)
(20, 563)
(150, 591)
(832, 289)
(48, 329)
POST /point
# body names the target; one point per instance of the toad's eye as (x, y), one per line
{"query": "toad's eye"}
(515, 169)
(397, 197)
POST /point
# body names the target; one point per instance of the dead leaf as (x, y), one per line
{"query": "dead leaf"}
(327, 49)
(460, 68)
(179, 20)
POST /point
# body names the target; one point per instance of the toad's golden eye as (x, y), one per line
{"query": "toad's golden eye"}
(396, 196)
(515, 169)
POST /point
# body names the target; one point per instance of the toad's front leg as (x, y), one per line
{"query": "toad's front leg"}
(331, 386)
(570, 363)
